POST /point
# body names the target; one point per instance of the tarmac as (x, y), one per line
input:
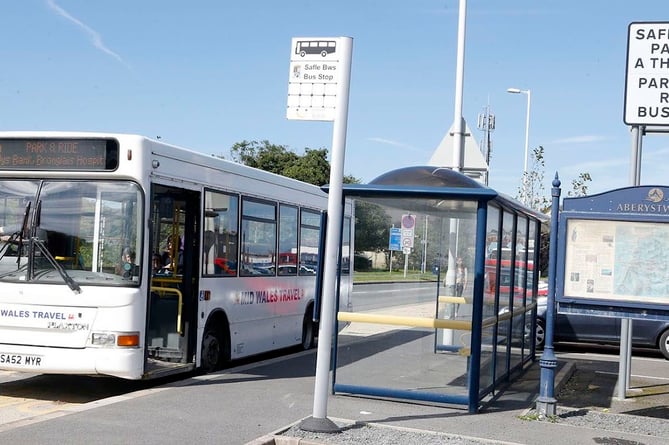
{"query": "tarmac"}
(257, 403)
(510, 417)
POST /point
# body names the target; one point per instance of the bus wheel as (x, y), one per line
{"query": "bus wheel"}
(212, 351)
(309, 329)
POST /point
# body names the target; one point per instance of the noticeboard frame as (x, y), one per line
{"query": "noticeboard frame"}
(596, 272)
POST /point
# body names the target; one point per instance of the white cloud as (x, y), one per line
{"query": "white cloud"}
(93, 35)
(395, 144)
(585, 139)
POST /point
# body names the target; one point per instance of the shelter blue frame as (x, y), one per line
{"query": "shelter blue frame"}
(407, 186)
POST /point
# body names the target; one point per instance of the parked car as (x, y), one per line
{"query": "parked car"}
(602, 330)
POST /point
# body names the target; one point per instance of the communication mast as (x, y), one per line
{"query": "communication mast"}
(486, 123)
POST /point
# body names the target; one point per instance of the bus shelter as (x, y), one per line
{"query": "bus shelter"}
(454, 317)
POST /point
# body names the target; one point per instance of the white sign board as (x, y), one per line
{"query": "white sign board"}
(647, 79)
(313, 78)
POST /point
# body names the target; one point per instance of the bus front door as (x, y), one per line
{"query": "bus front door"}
(172, 301)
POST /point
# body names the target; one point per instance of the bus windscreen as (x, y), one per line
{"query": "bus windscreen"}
(59, 154)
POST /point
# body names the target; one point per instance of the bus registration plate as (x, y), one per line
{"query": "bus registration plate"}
(20, 359)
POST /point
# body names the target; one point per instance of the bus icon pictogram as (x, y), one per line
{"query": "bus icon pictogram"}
(322, 47)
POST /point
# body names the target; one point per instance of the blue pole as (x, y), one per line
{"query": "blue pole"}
(546, 401)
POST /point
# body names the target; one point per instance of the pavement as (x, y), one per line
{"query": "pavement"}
(257, 402)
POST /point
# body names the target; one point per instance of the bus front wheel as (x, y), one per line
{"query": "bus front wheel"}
(213, 350)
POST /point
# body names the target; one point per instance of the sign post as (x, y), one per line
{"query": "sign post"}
(646, 103)
(318, 88)
(408, 226)
(395, 243)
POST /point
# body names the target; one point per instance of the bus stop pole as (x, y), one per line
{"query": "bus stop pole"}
(625, 359)
(319, 421)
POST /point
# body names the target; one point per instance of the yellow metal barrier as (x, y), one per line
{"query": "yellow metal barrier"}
(454, 300)
(166, 280)
(418, 322)
(160, 291)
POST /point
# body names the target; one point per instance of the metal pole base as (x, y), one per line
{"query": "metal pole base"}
(546, 407)
(319, 425)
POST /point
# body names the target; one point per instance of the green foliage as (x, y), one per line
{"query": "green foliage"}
(580, 185)
(371, 227)
(532, 192)
(313, 167)
(534, 196)
(263, 155)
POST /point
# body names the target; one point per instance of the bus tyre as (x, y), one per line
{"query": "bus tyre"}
(309, 328)
(212, 351)
(664, 344)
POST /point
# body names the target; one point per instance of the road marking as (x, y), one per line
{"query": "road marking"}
(635, 375)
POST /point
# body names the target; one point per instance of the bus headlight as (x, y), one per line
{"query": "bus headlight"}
(115, 339)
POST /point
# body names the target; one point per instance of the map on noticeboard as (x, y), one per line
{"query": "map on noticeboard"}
(617, 260)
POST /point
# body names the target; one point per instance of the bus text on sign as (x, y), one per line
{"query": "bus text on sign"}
(59, 154)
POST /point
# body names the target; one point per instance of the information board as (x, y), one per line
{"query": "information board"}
(617, 260)
(612, 253)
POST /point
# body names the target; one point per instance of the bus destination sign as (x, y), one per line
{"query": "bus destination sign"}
(59, 154)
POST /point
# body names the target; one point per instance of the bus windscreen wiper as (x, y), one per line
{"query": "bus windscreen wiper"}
(36, 241)
(45, 251)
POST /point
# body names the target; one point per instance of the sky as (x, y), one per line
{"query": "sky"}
(205, 74)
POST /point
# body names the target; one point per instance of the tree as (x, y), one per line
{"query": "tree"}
(313, 167)
(263, 155)
(580, 185)
(372, 227)
(531, 192)
(533, 196)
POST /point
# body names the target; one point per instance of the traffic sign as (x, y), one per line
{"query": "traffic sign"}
(408, 221)
(408, 224)
(395, 242)
(313, 79)
(646, 80)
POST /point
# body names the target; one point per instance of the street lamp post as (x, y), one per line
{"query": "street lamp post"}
(527, 135)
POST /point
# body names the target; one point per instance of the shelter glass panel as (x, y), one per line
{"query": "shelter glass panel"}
(488, 358)
(491, 262)
(522, 267)
(346, 247)
(517, 339)
(533, 258)
(418, 319)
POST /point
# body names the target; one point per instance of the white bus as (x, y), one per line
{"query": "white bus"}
(89, 284)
